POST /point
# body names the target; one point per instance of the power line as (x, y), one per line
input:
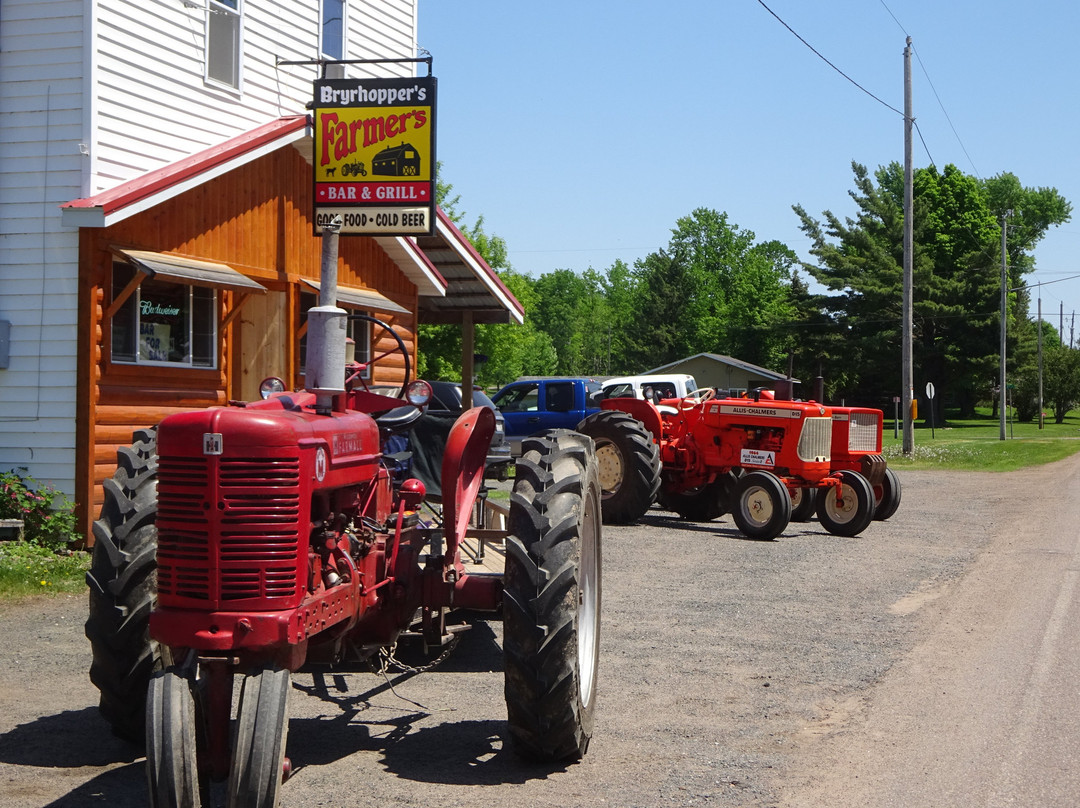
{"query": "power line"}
(826, 61)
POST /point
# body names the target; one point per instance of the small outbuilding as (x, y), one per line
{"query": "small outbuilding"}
(724, 372)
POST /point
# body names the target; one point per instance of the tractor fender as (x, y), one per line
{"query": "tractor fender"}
(644, 411)
(463, 472)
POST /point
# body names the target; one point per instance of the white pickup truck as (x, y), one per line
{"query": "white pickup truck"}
(650, 388)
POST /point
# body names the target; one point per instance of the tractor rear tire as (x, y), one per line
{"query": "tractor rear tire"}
(703, 504)
(762, 505)
(123, 590)
(629, 463)
(551, 597)
(803, 502)
(889, 500)
(847, 510)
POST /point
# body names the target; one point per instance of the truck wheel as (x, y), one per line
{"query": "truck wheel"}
(123, 590)
(629, 464)
(847, 509)
(762, 507)
(889, 499)
(171, 745)
(702, 504)
(551, 597)
(262, 722)
(803, 501)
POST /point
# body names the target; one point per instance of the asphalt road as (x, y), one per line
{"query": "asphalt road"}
(930, 661)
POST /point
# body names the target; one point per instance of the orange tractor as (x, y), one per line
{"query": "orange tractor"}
(764, 460)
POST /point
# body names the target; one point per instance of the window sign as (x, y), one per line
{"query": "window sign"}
(164, 323)
(375, 155)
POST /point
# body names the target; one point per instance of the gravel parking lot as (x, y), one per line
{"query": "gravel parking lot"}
(733, 673)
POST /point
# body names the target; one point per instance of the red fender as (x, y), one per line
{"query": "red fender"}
(644, 411)
(462, 474)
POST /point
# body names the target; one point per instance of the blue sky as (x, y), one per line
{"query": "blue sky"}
(581, 131)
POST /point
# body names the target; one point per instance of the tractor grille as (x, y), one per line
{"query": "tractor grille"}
(228, 528)
(863, 432)
(816, 439)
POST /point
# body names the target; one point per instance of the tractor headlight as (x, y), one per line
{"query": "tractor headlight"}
(418, 393)
(271, 385)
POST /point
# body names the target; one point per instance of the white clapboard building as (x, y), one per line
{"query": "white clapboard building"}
(123, 124)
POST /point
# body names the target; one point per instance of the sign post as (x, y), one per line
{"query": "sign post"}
(930, 395)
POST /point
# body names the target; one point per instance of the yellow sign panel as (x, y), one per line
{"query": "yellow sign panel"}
(375, 148)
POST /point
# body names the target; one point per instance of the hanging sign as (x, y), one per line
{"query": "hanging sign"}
(375, 155)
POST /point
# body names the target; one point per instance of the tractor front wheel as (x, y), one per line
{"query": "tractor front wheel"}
(172, 731)
(262, 722)
(803, 501)
(551, 597)
(123, 590)
(889, 499)
(629, 464)
(847, 509)
(762, 506)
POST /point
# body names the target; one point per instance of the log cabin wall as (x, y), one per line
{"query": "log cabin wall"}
(256, 219)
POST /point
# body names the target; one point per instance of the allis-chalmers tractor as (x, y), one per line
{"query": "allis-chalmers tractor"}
(765, 460)
(251, 540)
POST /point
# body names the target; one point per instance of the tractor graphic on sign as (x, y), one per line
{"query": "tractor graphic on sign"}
(396, 161)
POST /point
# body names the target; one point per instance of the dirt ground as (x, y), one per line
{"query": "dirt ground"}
(928, 662)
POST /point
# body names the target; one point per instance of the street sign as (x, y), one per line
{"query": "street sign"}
(929, 389)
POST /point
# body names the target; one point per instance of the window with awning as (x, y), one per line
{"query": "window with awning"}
(165, 308)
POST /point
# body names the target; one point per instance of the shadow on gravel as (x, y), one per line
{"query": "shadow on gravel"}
(124, 787)
(453, 753)
(59, 741)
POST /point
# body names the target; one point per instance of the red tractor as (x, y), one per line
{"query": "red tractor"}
(254, 539)
(703, 456)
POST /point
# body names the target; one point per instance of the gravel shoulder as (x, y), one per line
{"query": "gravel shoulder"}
(808, 670)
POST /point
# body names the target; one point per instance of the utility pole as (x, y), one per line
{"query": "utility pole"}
(908, 381)
(1040, 361)
(1004, 298)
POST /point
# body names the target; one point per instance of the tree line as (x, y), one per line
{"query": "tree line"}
(715, 289)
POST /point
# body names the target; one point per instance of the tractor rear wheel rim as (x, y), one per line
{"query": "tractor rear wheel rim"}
(588, 602)
(610, 464)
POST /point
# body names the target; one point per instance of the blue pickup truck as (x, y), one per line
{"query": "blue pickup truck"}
(533, 405)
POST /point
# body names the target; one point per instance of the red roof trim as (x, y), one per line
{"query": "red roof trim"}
(160, 179)
(467, 245)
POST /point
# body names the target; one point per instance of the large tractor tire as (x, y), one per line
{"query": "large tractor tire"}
(762, 505)
(847, 509)
(123, 589)
(551, 597)
(629, 463)
(887, 496)
(703, 504)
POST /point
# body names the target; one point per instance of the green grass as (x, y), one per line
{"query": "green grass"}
(975, 444)
(30, 569)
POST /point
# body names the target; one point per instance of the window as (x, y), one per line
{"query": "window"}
(359, 331)
(560, 396)
(223, 41)
(163, 323)
(525, 398)
(333, 29)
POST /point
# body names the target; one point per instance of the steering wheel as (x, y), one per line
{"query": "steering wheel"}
(398, 348)
(699, 396)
